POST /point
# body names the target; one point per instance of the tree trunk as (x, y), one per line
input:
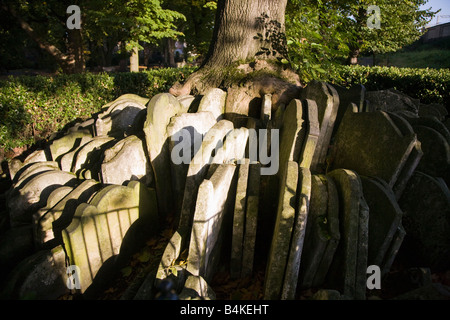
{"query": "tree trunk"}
(237, 24)
(248, 38)
(134, 60)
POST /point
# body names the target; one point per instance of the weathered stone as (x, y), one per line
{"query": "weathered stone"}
(312, 135)
(347, 96)
(436, 151)
(392, 100)
(363, 248)
(59, 215)
(126, 161)
(284, 225)
(251, 219)
(298, 236)
(82, 155)
(186, 101)
(327, 100)
(210, 211)
(41, 276)
(160, 109)
(119, 115)
(364, 138)
(413, 159)
(36, 156)
(33, 194)
(433, 110)
(28, 171)
(393, 250)
(239, 220)
(322, 232)
(426, 206)
(196, 287)
(98, 228)
(197, 170)
(214, 101)
(190, 129)
(234, 147)
(385, 218)
(53, 199)
(68, 142)
(346, 269)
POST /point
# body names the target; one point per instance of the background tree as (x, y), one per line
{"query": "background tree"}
(198, 25)
(128, 22)
(401, 23)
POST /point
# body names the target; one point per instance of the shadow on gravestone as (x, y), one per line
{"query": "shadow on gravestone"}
(426, 206)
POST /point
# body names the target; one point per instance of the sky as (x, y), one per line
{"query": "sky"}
(439, 4)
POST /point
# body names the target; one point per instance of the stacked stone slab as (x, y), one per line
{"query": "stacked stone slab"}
(327, 100)
(97, 228)
(382, 189)
(245, 219)
(347, 272)
(322, 233)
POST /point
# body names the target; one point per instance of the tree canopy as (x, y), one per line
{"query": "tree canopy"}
(319, 33)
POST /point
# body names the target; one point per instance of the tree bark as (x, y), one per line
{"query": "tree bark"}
(237, 24)
(242, 31)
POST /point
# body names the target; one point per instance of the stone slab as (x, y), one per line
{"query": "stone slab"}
(298, 235)
(284, 224)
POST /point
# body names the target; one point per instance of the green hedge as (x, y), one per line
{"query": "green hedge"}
(427, 85)
(32, 107)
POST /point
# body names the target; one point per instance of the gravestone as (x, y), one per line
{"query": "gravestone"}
(284, 224)
(68, 143)
(186, 132)
(392, 101)
(210, 211)
(198, 168)
(86, 151)
(327, 100)
(160, 109)
(32, 169)
(239, 219)
(98, 227)
(39, 231)
(347, 96)
(50, 224)
(213, 101)
(426, 206)
(436, 152)
(322, 232)
(40, 276)
(385, 218)
(125, 161)
(349, 264)
(362, 138)
(33, 194)
(298, 235)
(251, 219)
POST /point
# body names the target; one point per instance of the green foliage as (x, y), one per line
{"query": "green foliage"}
(316, 38)
(31, 108)
(428, 85)
(322, 34)
(199, 23)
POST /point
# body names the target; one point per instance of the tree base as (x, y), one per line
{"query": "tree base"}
(245, 84)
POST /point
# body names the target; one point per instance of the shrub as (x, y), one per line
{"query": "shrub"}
(427, 85)
(32, 107)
